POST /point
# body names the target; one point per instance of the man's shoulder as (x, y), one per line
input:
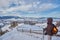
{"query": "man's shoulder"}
(53, 25)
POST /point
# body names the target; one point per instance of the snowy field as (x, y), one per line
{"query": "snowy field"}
(27, 32)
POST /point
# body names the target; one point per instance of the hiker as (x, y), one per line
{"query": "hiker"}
(49, 28)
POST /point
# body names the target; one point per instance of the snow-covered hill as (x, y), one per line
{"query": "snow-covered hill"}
(17, 34)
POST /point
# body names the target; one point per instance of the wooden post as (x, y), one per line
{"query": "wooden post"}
(43, 33)
(0, 32)
(22, 30)
(30, 30)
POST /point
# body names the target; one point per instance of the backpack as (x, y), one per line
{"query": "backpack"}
(54, 30)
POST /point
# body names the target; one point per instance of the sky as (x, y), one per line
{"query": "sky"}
(30, 8)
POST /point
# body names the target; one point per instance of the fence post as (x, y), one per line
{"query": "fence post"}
(30, 30)
(22, 30)
(43, 33)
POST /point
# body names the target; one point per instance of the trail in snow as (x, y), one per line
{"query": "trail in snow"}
(17, 35)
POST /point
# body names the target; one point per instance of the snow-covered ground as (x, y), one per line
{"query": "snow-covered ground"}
(6, 27)
(17, 34)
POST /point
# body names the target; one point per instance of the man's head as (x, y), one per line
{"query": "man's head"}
(49, 20)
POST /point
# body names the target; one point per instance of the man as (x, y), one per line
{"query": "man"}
(49, 27)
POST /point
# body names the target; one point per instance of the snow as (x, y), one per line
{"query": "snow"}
(42, 25)
(6, 27)
(18, 35)
(1, 24)
(25, 26)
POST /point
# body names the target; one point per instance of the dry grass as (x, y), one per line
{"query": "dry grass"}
(58, 24)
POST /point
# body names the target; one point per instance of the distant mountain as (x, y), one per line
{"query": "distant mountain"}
(9, 17)
(16, 17)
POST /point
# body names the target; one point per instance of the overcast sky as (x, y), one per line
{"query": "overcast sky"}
(30, 8)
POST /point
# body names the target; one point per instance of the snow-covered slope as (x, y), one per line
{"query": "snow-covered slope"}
(15, 35)
(6, 27)
(18, 35)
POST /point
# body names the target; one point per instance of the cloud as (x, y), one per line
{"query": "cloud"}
(54, 14)
(47, 6)
(4, 4)
(34, 7)
(22, 8)
(30, 7)
(10, 14)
